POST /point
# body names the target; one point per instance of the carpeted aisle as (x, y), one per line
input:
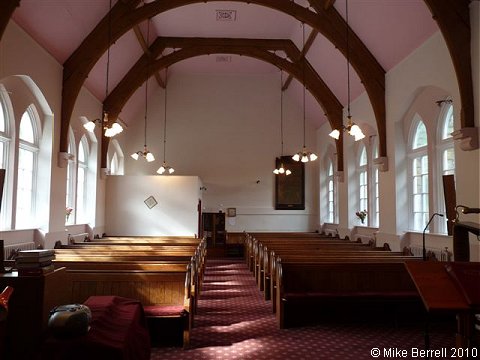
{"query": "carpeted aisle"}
(234, 322)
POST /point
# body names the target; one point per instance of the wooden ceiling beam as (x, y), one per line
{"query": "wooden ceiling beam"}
(246, 47)
(8, 7)
(308, 45)
(144, 45)
(328, 4)
(126, 14)
(453, 19)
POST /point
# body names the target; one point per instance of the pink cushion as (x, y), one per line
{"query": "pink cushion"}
(164, 310)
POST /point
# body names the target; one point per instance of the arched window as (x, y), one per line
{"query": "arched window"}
(362, 171)
(418, 154)
(5, 139)
(375, 218)
(71, 167)
(27, 171)
(330, 193)
(115, 158)
(446, 155)
(82, 180)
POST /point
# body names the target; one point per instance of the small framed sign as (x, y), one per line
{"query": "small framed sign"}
(150, 202)
(231, 212)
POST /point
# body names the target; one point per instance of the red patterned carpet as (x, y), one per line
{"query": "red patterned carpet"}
(235, 322)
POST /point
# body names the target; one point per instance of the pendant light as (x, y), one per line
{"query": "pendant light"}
(145, 153)
(352, 128)
(114, 128)
(281, 170)
(165, 169)
(304, 155)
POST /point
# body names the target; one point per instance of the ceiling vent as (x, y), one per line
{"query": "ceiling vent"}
(223, 59)
(226, 15)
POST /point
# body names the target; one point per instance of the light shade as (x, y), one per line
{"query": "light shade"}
(165, 169)
(305, 156)
(89, 126)
(352, 128)
(281, 170)
(335, 134)
(146, 154)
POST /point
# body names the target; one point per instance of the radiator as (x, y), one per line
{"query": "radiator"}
(440, 254)
(22, 246)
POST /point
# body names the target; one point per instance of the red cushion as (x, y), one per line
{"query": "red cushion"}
(164, 310)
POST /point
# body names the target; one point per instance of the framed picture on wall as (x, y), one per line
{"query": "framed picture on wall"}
(150, 202)
(231, 212)
(290, 189)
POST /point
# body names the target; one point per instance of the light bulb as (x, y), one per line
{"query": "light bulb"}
(135, 156)
(149, 157)
(161, 170)
(281, 170)
(335, 134)
(296, 157)
(288, 172)
(171, 170)
(275, 171)
(313, 157)
(89, 126)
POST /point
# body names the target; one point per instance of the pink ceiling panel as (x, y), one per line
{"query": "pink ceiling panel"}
(391, 29)
(123, 55)
(59, 26)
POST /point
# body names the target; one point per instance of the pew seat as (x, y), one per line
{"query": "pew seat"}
(311, 292)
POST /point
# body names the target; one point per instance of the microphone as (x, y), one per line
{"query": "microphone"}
(467, 210)
(423, 236)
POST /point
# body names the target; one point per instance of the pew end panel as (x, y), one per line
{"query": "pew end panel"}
(309, 293)
(164, 296)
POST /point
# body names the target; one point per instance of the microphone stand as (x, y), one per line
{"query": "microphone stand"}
(427, 319)
(423, 236)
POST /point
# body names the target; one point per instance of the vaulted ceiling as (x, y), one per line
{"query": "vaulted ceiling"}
(212, 36)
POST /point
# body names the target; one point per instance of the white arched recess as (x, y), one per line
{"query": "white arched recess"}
(88, 222)
(24, 94)
(328, 200)
(427, 107)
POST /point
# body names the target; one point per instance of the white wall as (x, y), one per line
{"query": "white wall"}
(175, 214)
(217, 125)
(21, 55)
(429, 66)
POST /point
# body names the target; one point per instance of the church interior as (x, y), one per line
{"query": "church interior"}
(165, 159)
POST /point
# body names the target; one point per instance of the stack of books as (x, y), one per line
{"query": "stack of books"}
(35, 262)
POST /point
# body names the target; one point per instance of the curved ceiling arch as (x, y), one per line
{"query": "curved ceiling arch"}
(125, 14)
(258, 49)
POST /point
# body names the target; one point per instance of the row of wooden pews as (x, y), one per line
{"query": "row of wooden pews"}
(163, 273)
(310, 277)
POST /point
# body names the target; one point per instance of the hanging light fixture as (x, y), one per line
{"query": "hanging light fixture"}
(352, 128)
(114, 128)
(165, 169)
(145, 153)
(304, 155)
(281, 170)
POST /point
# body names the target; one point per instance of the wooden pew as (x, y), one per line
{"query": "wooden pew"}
(267, 271)
(261, 250)
(173, 240)
(308, 258)
(311, 291)
(164, 293)
(251, 238)
(73, 258)
(253, 246)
